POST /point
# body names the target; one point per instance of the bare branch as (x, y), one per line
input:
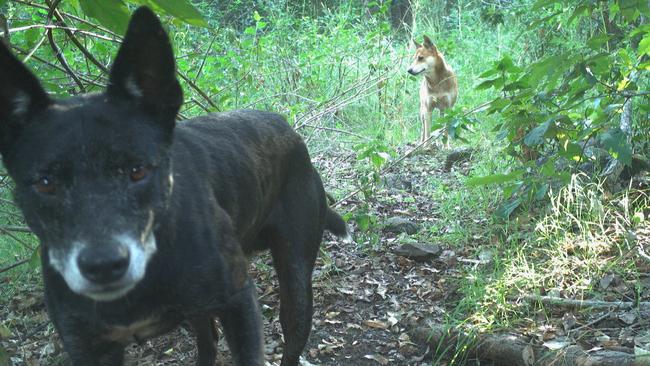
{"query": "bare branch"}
(73, 38)
(7, 31)
(198, 90)
(63, 62)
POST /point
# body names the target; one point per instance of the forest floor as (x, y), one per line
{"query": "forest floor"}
(367, 297)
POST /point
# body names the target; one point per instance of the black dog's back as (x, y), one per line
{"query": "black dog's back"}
(247, 148)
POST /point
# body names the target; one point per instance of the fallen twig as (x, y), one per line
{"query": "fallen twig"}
(20, 229)
(598, 304)
(19, 240)
(12, 266)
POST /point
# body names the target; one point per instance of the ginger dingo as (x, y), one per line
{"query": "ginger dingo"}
(439, 88)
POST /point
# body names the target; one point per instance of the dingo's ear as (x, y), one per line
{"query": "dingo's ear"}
(429, 44)
(145, 70)
(416, 44)
(21, 94)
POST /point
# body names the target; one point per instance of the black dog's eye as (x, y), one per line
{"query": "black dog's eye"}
(420, 58)
(45, 185)
(138, 173)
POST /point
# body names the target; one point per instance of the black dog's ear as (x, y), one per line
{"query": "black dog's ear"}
(145, 70)
(20, 95)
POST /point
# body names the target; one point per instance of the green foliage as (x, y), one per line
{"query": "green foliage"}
(114, 14)
(182, 10)
(554, 107)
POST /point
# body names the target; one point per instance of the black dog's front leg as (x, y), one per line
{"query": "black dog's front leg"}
(242, 325)
(88, 352)
(206, 338)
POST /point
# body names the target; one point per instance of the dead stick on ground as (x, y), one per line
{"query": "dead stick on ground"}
(550, 300)
(17, 239)
(10, 267)
(20, 229)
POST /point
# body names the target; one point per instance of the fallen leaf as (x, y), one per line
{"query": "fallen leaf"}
(378, 358)
(556, 344)
(375, 324)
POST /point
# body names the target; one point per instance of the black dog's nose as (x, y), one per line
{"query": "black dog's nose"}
(103, 265)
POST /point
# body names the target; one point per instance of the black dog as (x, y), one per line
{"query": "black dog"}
(144, 224)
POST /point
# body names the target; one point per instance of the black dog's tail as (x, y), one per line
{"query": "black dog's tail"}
(335, 224)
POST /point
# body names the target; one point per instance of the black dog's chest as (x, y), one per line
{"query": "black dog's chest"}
(142, 329)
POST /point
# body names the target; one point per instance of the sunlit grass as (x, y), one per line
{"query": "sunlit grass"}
(583, 236)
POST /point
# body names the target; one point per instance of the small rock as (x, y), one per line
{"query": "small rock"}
(458, 156)
(448, 257)
(416, 251)
(397, 182)
(400, 225)
(606, 281)
(627, 317)
(486, 256)
(569, 321)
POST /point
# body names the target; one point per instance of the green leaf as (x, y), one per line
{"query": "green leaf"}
(35, 259)
(644, 46)
(250, 31)
(541, 191)
(2, 3)
(571, 151)
(580, 11)
(505, 209)
(488, 73)
(506, 64)
(32, 36)
(494, 179)
(536, 136)
(363, 221)
(257, 16)
(597, 41)
(182, 10)
(615, 141)
(631, 9)
(487, 84)
(543, 4)
(5, 332)
(113, 14)
(544, 68)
